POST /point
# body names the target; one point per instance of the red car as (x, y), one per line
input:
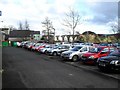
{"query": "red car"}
(95, 53)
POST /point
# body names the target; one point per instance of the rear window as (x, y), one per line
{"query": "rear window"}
(105, 50)
(95, 50)
(76, 48)
(115, 53)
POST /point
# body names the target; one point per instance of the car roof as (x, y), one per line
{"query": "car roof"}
(103, 46)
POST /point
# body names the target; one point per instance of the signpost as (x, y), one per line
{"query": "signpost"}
(0, 56)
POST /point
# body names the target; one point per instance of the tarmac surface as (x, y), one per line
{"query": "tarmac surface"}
(27, 69)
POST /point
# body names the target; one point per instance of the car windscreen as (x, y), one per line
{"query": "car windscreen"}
(55, 47)
(95, 50)
(38, 44)
(76, 48)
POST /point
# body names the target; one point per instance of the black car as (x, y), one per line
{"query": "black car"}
(110, 62)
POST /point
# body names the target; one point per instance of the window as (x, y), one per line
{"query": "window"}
(112, 49)
(84, 49)
(105, 50)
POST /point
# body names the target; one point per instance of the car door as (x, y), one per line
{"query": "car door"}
(82, 50)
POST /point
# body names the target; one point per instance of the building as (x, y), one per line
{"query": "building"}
(4, 34)
(21, 35)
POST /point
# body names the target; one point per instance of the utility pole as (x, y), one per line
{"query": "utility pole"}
(1, 54)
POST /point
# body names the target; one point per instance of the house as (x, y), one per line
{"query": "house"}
(21, 35)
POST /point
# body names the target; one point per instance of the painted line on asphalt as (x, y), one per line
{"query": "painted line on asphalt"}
(91, 69)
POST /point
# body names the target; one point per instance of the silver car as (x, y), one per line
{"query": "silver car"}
(46, 48)
(58, 50)
(75, 53)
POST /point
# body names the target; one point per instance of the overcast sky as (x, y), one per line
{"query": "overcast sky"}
(97, 16)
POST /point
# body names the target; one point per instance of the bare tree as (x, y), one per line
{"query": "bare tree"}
(20, 26)
(72, 20)
(77, 33)
(116, 26)
(11, 27)
(26, 26)
(116, 29)
(49, 30)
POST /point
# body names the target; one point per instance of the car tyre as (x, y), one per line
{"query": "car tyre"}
(75, 58)
(54, 53)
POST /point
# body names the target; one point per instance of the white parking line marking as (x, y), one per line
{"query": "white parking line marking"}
(71, 74)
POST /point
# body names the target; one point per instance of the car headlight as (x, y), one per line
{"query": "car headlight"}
(70, 53)
(91, 57)
(115, 62)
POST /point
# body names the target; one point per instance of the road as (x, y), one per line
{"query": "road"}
(26, 69)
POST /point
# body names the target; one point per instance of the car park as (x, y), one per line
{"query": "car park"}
(91, 54)
(110, 62)
(75, 53)
(95, 53)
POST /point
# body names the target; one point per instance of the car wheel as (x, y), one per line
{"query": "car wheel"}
(54, 53)
(75, 58)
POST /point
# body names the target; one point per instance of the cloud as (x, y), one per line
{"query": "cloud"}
(95, 14)
(104, 12)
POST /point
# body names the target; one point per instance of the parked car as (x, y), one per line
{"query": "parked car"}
(18, 44)
(40, 47)
(46, 48)
(36, 46)
(75, 53)
(95, 53)
(30, 45)
(57, 50)
(103, 44)
(110, 62)
(24, 43)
